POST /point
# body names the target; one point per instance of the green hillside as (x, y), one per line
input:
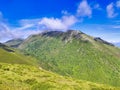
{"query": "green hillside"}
(18, 72)
(9, 55)
(75, 54)
(26, 77)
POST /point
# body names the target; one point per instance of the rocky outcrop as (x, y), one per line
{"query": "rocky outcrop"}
(98, 39)
(52, 33)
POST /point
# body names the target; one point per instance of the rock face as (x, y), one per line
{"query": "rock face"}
(71, 34)
(65, 36)
(103, 41)
(61, 33)
(74, 34)
(52, 33)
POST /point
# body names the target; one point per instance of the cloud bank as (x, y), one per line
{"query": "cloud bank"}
(58, 24)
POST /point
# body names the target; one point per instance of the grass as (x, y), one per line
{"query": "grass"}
(27, 77)
(6, 56)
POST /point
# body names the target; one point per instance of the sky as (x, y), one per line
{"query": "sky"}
(98, 18)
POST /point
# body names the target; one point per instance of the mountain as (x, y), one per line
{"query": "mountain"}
(14, 42)
(17, 72)
(75, 54)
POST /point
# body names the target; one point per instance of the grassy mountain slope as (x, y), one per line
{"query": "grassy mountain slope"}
(77, 55)
(26, 77)
(8, 55)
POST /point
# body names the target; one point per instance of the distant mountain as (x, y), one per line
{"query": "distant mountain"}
(14, 42)
(75, 54)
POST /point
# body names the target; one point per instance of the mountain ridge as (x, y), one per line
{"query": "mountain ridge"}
(75, 54)
(74, 33)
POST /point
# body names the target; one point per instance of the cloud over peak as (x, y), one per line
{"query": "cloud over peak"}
(58, 24)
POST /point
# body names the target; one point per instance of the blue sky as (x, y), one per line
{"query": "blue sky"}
(99, 18)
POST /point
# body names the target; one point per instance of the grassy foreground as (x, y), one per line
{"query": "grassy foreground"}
(26, 77)
(9, 55)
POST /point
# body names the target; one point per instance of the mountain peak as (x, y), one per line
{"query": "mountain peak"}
(60, 33)
(74, 31)
(52, 33)
(65, 36)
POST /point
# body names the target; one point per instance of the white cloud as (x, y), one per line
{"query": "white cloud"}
(69, 20)
(84, 9)
(58, 24)
(7, 32)
(52, 23)
(26, 28)
(4, 30)
(111, 11)
(24, 33)
(118, 4)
